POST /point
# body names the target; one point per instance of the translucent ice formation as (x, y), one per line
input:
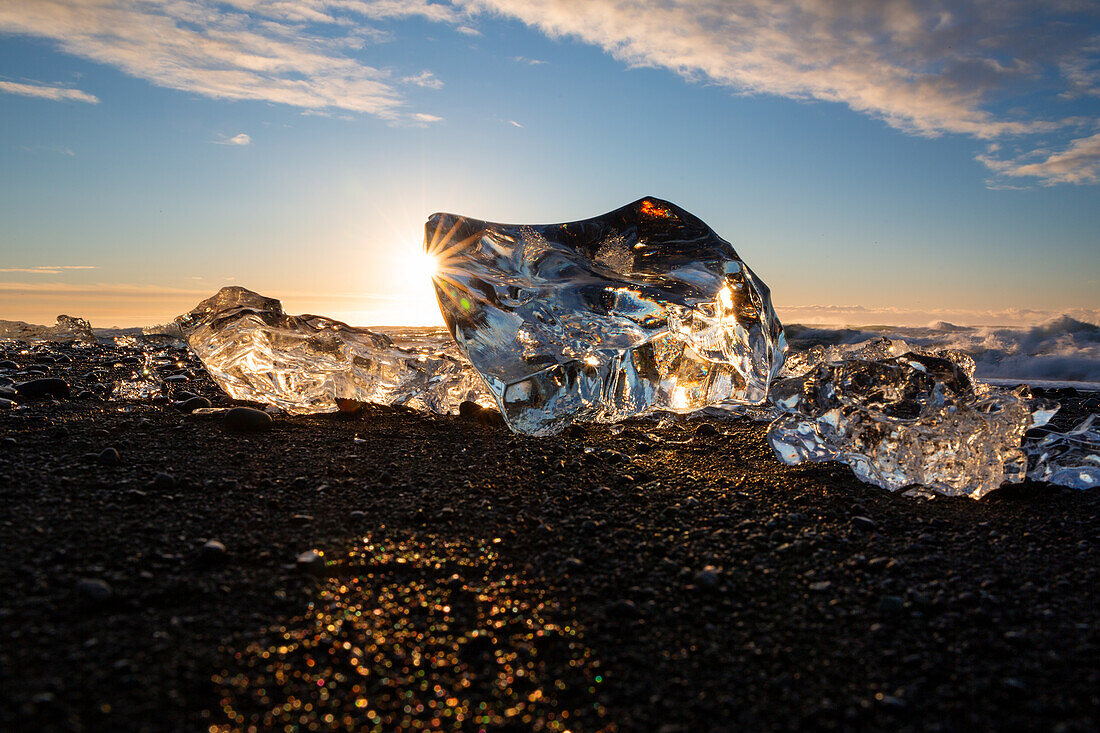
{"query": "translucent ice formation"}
(640, 309)
(304, 364)
(81, 329)
(910, 419)
(1071, 458)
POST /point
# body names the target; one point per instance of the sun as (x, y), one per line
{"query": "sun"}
(411, 274)
(418, 269)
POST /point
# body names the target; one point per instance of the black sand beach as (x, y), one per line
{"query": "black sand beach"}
(673, 579)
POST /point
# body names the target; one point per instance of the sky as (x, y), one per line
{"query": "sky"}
(873, 162)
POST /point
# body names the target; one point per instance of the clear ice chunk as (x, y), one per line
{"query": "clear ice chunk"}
(1070, 458)
(80, 328)
(306, 364)
(910, 419)
(644, 308)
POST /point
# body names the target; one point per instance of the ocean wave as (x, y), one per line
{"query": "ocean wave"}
(1063, 349)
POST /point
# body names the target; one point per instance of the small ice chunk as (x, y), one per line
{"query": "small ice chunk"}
(1070, 458)
(307, 364)
(136, 390)
(644, 308)
(144, 384)
(80, 328)
(910, 419)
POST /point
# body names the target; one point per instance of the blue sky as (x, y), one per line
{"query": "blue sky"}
(874, 162)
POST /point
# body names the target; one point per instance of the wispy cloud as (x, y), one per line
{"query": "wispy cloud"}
(45, 91)
(47, 269)
(56, 149)
(513, 123)
(926, 68)
(529, 62)
(1078, 163)
(240, 138)
(425, 79)
(283, 52)
(421, 119)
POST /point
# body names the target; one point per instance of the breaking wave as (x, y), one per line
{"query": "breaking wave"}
(1061, 350)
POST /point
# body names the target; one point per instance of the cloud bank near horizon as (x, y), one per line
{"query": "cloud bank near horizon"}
(859, 315)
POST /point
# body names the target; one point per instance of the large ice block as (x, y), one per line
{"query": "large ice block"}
(644, 308)
(911, 419)
(304, 364)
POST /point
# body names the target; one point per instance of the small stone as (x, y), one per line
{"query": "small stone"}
(301, 519)
(891, 606)
(571, 565)
(6, 404)
(109, 457)
(94, 590)
(706, 430)
(8, 364)
(311, 561)
(484, 415)
(247, 420)
(45, 387)
(623, 609)
(707, 578)
(191, 404)
(863, 524)
(213, 551)
(164, 482)
(878, 564)
(821, 586)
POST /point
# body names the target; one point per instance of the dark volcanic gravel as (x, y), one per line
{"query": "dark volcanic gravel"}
(393, 570)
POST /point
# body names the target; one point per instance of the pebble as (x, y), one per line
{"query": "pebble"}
(8, 364)
(164, 482)
(707, 577)
(311, 561)
(864, 524)
(891, 605)
(94, 589)
(706, 430)
(484, 415)
(247, 420)
(213, 551)
(6, 404)
(191, 404)
(623, 609)
(109, 457)
(571, 565)
(45, 387)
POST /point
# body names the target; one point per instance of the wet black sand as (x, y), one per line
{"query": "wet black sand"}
(476, 579)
